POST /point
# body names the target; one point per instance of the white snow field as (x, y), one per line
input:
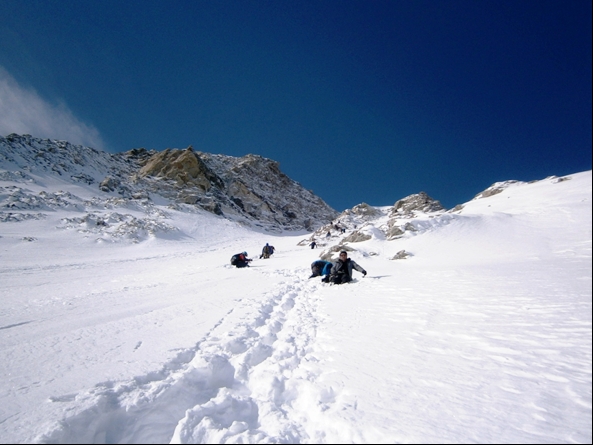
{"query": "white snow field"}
(482, 335)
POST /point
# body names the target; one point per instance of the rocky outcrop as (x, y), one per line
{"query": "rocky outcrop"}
(494, 189)
(401, 255)
(182, 166)
(419, 202)
(356, 237)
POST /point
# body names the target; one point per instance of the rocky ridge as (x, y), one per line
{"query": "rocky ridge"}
(251, 190)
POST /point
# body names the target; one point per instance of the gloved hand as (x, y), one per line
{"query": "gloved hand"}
(364, 273)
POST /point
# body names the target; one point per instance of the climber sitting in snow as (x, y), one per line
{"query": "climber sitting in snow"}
(341, 271)
(240, 260)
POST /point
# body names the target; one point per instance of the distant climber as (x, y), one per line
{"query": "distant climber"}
(267, 251)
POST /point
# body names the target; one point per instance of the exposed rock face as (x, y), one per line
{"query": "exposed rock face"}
(364, 222)
(419, 202)
(109, 184)
(356, 237)
(401, 255)
(182, 166)
(495, 189)
(256, 187)
(394, 231)
(364, 210)
(251, 189)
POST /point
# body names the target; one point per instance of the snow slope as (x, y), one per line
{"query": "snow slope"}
(483, 334)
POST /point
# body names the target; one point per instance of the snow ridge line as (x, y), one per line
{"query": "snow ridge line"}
(216, 392)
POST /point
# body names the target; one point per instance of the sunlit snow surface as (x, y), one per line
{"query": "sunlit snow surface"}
(148, 335)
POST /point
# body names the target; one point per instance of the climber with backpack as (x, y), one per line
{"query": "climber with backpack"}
(240, 260)
(267, 251)
(320, 267)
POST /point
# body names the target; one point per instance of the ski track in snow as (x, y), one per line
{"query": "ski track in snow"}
(239, 376)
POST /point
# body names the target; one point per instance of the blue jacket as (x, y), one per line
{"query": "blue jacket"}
(324, 266)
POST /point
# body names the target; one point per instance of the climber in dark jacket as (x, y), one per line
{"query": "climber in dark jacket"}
(267, 251)
(341, 271)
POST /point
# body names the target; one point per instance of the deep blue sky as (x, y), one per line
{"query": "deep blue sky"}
(359, 101)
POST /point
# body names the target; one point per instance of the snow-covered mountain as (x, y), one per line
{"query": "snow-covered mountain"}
(122, 320)
(133, 195)
(103, 187)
